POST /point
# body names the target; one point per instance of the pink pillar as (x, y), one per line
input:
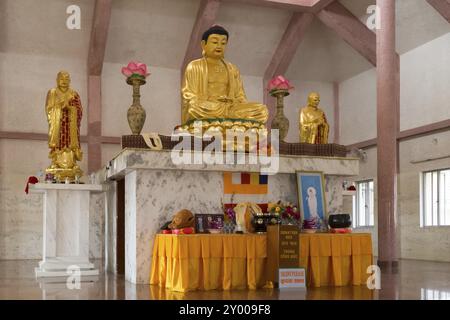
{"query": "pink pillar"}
(94, 115)
(388, 104)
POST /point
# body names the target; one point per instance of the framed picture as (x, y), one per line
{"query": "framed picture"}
(311, 195)
(208, 223)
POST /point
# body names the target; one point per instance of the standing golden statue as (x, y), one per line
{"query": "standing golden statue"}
(313, 124)
(212, 88)
(64, 111)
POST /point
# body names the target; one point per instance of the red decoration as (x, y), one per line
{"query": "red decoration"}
(32, 180)
(189, 230)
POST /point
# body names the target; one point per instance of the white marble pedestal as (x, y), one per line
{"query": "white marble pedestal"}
(66, 229)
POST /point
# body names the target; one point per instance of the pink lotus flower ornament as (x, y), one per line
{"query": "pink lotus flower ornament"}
(135, 69)
(279, 83)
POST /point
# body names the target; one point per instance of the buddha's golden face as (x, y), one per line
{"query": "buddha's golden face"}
(314, 99)
(63, 81)
(215, 46)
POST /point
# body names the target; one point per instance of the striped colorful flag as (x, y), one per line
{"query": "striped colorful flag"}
(245, 183)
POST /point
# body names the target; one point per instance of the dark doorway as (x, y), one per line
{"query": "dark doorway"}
(120, 243)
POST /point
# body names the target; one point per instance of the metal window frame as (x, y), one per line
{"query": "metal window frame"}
(367, 203)
(423, 186)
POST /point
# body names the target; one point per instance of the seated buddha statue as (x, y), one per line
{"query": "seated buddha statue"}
(212, 87)
(313, 124)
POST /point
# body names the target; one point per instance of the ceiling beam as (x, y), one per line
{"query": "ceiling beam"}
(29, 136)
(290, 5)
(206, 16)
(99, 35)
(291, 39)
(441, 6)
(350, 29)
(363, 144)
(428, 129)
(321, 4)
(432, 128)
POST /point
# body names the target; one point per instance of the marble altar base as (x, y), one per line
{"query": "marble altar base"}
(156, 188)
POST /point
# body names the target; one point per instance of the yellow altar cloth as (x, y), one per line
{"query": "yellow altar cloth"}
(336, 259)
(229, 261)
(207, 262)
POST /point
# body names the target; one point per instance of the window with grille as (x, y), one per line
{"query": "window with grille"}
(363, 211)
(435, 198)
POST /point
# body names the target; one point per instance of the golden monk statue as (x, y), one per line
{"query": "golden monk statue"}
(64, 111)
(212, 88)
(314, 127)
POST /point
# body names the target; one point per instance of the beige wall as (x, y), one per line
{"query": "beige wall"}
(431, 243)
(368, 171)
(425, 82)
(358, 106)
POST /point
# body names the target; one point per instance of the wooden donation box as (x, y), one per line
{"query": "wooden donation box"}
(283, 250)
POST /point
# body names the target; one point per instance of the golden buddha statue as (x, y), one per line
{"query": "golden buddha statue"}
(314, 127)
(64, 111)
(212, 89)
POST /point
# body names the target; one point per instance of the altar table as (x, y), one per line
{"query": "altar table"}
(231, 261)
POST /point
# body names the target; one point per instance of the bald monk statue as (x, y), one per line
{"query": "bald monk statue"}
(314, 127)
(212, 87)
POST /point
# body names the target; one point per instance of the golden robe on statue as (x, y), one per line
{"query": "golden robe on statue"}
(198, 103)
(64, 111)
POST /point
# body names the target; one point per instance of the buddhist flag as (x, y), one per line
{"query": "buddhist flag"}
(245, 183)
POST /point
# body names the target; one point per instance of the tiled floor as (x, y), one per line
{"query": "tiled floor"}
(415, 280)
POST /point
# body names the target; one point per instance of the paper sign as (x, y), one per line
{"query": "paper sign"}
(292, 278)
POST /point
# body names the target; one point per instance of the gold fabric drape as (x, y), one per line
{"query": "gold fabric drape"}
(336, 259)
(226, 261)
(207, 262)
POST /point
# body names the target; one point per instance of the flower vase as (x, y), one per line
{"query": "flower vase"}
(136, 113)
(229, 227)
(280, 121)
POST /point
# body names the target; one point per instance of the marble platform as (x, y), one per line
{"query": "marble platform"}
(156, 188)
(66, 229)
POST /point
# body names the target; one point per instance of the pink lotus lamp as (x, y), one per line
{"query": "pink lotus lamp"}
(279, 88)
(136, 73)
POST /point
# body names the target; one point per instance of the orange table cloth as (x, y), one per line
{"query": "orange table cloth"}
(229, 261)
(207, 262)
(336, 259)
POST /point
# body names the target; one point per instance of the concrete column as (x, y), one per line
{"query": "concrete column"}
(388, 96)
(94, 115)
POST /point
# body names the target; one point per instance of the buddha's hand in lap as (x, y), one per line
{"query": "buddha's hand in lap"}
(225, 99)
